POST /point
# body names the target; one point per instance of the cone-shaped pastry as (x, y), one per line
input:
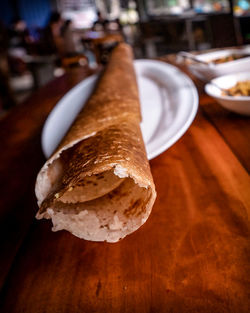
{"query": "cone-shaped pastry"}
(98, 183)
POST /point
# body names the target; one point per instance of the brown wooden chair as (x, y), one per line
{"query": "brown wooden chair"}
(74, 60)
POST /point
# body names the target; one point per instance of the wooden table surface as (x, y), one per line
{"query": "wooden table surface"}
(192, 255)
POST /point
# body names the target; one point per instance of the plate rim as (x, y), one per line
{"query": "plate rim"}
(193, 111)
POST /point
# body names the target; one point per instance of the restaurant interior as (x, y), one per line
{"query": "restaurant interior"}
(41, 39)
(125, 156)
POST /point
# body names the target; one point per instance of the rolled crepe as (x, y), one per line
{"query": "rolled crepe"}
(97, 184)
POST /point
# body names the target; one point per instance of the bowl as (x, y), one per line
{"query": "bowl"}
(239, 104)
(210, 71)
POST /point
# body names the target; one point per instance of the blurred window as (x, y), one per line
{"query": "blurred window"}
(161, 7)
(81, 12)
(242, 7)
(210, 6)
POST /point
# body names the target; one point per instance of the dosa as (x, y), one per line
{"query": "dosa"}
(97, 184)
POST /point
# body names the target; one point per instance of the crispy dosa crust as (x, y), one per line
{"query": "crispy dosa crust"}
(115, 97)
(104, 140)
(120, 145)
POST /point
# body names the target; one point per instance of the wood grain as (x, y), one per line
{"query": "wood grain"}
(192, 255)
(233, 127)
(20, 160)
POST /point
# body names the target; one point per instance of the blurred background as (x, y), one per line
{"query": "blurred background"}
(42, 39)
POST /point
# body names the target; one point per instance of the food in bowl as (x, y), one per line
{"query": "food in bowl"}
(228, 58)
(237, 104)
(241, 63)
(242, 88)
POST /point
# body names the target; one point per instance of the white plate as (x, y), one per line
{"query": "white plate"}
(169, 103)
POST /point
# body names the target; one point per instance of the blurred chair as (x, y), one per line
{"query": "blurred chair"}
(6, 95)
(7, 100)
(69, 51)
(75, 60)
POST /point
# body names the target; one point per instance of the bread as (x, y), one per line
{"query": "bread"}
(98, 184)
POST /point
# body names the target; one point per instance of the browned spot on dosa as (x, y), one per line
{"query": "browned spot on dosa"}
(135, 208)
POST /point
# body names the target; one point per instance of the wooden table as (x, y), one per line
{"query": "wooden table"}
(192, 255)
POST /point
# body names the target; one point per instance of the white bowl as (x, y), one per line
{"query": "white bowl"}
(208, 72)
(239, 104)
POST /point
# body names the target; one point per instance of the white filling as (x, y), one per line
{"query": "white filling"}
(108, 218)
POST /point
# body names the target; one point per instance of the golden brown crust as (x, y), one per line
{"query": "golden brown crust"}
(115, 97)
(119, 144)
